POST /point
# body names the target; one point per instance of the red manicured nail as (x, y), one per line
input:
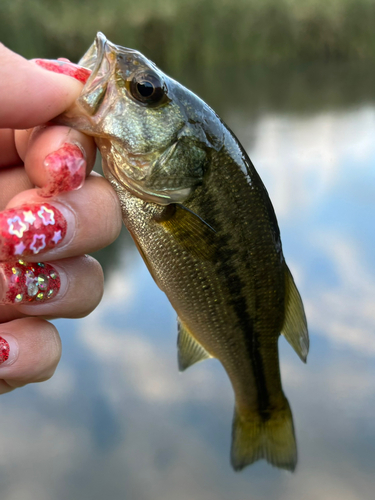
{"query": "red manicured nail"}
(4, 350)
(29, 282)
(66, 170)
(65, 68)
(29, 229)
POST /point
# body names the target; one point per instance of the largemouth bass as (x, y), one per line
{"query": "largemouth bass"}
(206, 229)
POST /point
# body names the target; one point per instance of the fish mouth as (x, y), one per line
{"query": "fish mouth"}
(93, 57)
(99, 59)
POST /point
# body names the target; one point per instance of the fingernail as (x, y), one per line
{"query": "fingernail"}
(29, 229)
(65, 68)
(66, 170)
(4, 350)
(8, 348)
(25, 282)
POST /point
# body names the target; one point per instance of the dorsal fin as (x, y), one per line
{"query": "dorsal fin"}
(295, 325)
(189, 350)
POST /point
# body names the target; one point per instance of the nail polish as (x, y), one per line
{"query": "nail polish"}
(29, 229)
(66, 170)
(29, 282)
(65, 68)
(4, 350)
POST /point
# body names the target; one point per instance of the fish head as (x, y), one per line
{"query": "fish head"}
(154, 135)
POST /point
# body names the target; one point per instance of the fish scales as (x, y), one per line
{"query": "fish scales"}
(218, 300)
(203, 222)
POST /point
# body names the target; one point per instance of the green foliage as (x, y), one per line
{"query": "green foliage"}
(195, 32)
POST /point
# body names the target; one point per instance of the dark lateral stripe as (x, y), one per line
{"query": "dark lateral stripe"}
(237, 300)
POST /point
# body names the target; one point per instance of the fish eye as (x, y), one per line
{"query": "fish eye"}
(147, 89)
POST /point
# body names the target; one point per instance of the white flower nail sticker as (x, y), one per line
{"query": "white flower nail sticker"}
(38, 243)
(16, 226)
(47, 216)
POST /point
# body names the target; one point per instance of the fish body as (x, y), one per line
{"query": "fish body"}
(205, 226)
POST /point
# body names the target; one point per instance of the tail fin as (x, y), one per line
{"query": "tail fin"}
(272, 439)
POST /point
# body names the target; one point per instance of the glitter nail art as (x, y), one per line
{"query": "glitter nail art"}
(66, 170)
(65, 68)
(29, 229)
(4, 350)
(29, 282)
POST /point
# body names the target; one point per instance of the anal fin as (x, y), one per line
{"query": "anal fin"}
(189, 350)
(295, 326)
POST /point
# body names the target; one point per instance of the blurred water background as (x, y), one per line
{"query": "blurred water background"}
(295, 81)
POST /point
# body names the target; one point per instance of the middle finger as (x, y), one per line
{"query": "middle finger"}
(67, 225)
(56, 158)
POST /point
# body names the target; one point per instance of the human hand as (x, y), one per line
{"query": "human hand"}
(43, 219)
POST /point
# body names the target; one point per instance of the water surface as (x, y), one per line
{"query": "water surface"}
(118, 421)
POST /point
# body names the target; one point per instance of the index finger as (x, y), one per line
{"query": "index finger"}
(31, 95)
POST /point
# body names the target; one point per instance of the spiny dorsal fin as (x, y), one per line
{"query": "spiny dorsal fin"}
(189, 350)
(295, 325)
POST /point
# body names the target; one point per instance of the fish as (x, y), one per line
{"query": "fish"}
(204, 225)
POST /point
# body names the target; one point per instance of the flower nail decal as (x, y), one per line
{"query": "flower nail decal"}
(39, 242)
(66, 170)
(57, 236)
(29, 229)
(47, 216)
(29, 282)
(16, 226)
(29, 217)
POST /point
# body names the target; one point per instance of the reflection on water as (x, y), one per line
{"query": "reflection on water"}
(118, 421)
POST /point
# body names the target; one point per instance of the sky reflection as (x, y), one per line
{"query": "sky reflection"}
(118, 421)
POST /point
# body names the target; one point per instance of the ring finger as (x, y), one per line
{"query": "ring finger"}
(69, 288)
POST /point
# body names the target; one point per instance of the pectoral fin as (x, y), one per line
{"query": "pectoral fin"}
(194, 234)
(295, 325)
(189, 350)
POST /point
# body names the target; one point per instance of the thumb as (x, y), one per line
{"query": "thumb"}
(30, 95)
